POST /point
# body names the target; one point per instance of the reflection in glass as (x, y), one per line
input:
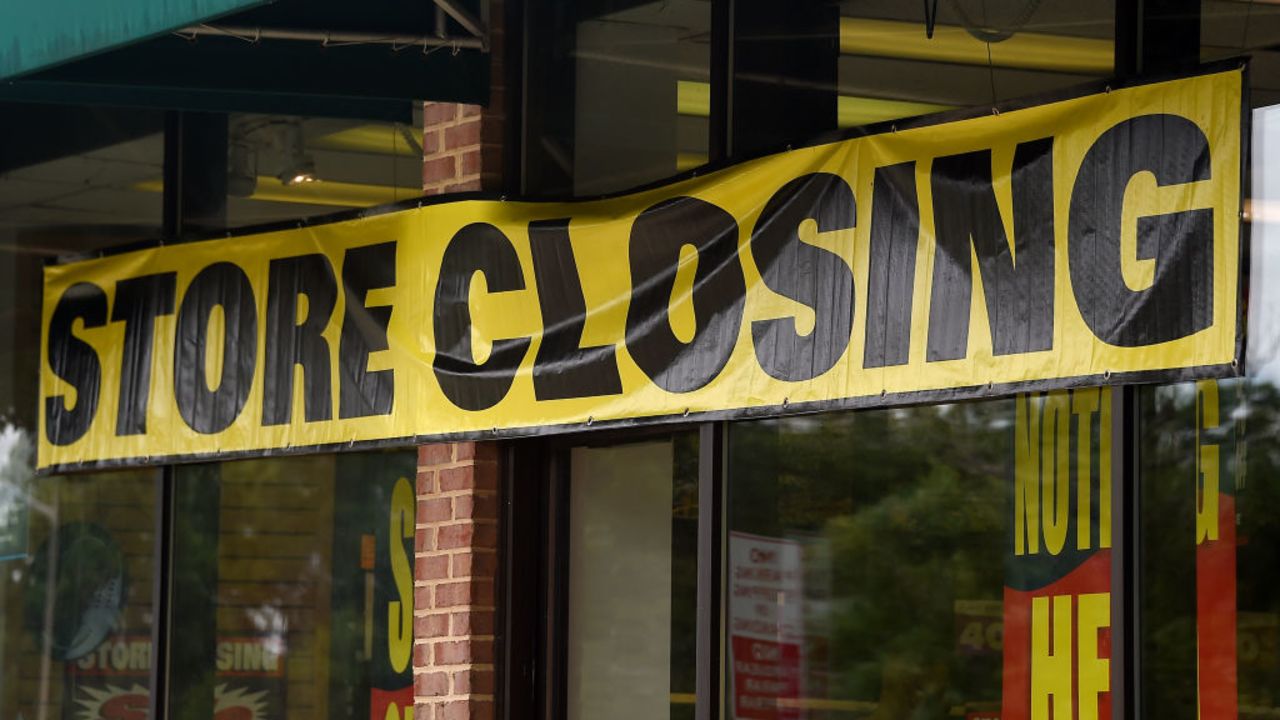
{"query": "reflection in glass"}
(639, 95)
(76, 552)
(945, 561)
(981, 52)
(287, 595)
(75, 594)
(1244, 29)
(282, 167)
(1210, 505)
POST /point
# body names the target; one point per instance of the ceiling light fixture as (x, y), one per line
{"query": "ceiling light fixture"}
(298, 166)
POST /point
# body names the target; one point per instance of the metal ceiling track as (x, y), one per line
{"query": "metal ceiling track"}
(477, 38)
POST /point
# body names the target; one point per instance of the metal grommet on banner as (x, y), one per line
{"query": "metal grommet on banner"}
(590, 419)
(785, 401)
(1235, 363)
(1106, 374)
(1107, 89)
(686, 412)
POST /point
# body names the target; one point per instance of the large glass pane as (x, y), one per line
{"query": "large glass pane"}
(933, 562)
(633, 580)
(281, 167)
(293, 595)
(76, 584)
(76, 552)
(624, 99)
(982, 52)
(1245, 29)
(1210, 505)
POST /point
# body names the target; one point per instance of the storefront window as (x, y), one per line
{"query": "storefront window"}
(283, 167)
(943, 561)
(982, 52)
(77, 552)
(76, 595)
(625, 97)
(1209, 611)
(1234, 29)
(293, 588)
(632, 580)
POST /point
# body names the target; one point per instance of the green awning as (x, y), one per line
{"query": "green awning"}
(36, 34)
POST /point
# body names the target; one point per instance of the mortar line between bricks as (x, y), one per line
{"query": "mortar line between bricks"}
(453, 609)
(458, 638)
(447, 610)
(482, 492)
(469, 462)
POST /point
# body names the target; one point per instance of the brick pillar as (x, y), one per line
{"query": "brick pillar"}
(455, 569)
(457, 532)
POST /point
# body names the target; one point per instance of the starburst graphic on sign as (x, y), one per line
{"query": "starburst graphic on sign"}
(98, 704)
(239, 703)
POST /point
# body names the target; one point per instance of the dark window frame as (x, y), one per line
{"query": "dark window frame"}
(1150, 38)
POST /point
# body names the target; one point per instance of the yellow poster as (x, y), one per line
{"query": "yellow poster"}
(1090, 240)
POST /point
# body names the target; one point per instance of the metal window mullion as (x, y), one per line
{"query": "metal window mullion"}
(1125, 590)
(161, 592)
(711, 548)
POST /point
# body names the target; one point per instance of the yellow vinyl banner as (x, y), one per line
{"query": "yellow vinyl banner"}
(1091, 240)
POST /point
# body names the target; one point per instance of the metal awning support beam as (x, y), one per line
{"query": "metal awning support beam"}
(469, 22)
(336, 37)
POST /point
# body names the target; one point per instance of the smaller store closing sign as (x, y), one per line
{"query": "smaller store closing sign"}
(1090, 239)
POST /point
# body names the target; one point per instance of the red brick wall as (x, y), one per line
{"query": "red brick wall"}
(455, 571)
(451, 148)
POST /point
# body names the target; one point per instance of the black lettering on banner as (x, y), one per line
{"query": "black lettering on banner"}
(808, 274)
(562, 367)
(478, 247)
(290, 343)
(719, 290)
(75, 361)
(212, 409)
(139, 301)
(895, 235)
(1180, 300)
(364, 331)
(1018, 283)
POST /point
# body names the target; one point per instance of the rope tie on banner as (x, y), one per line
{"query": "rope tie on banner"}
(991, 66)
(930, 17)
